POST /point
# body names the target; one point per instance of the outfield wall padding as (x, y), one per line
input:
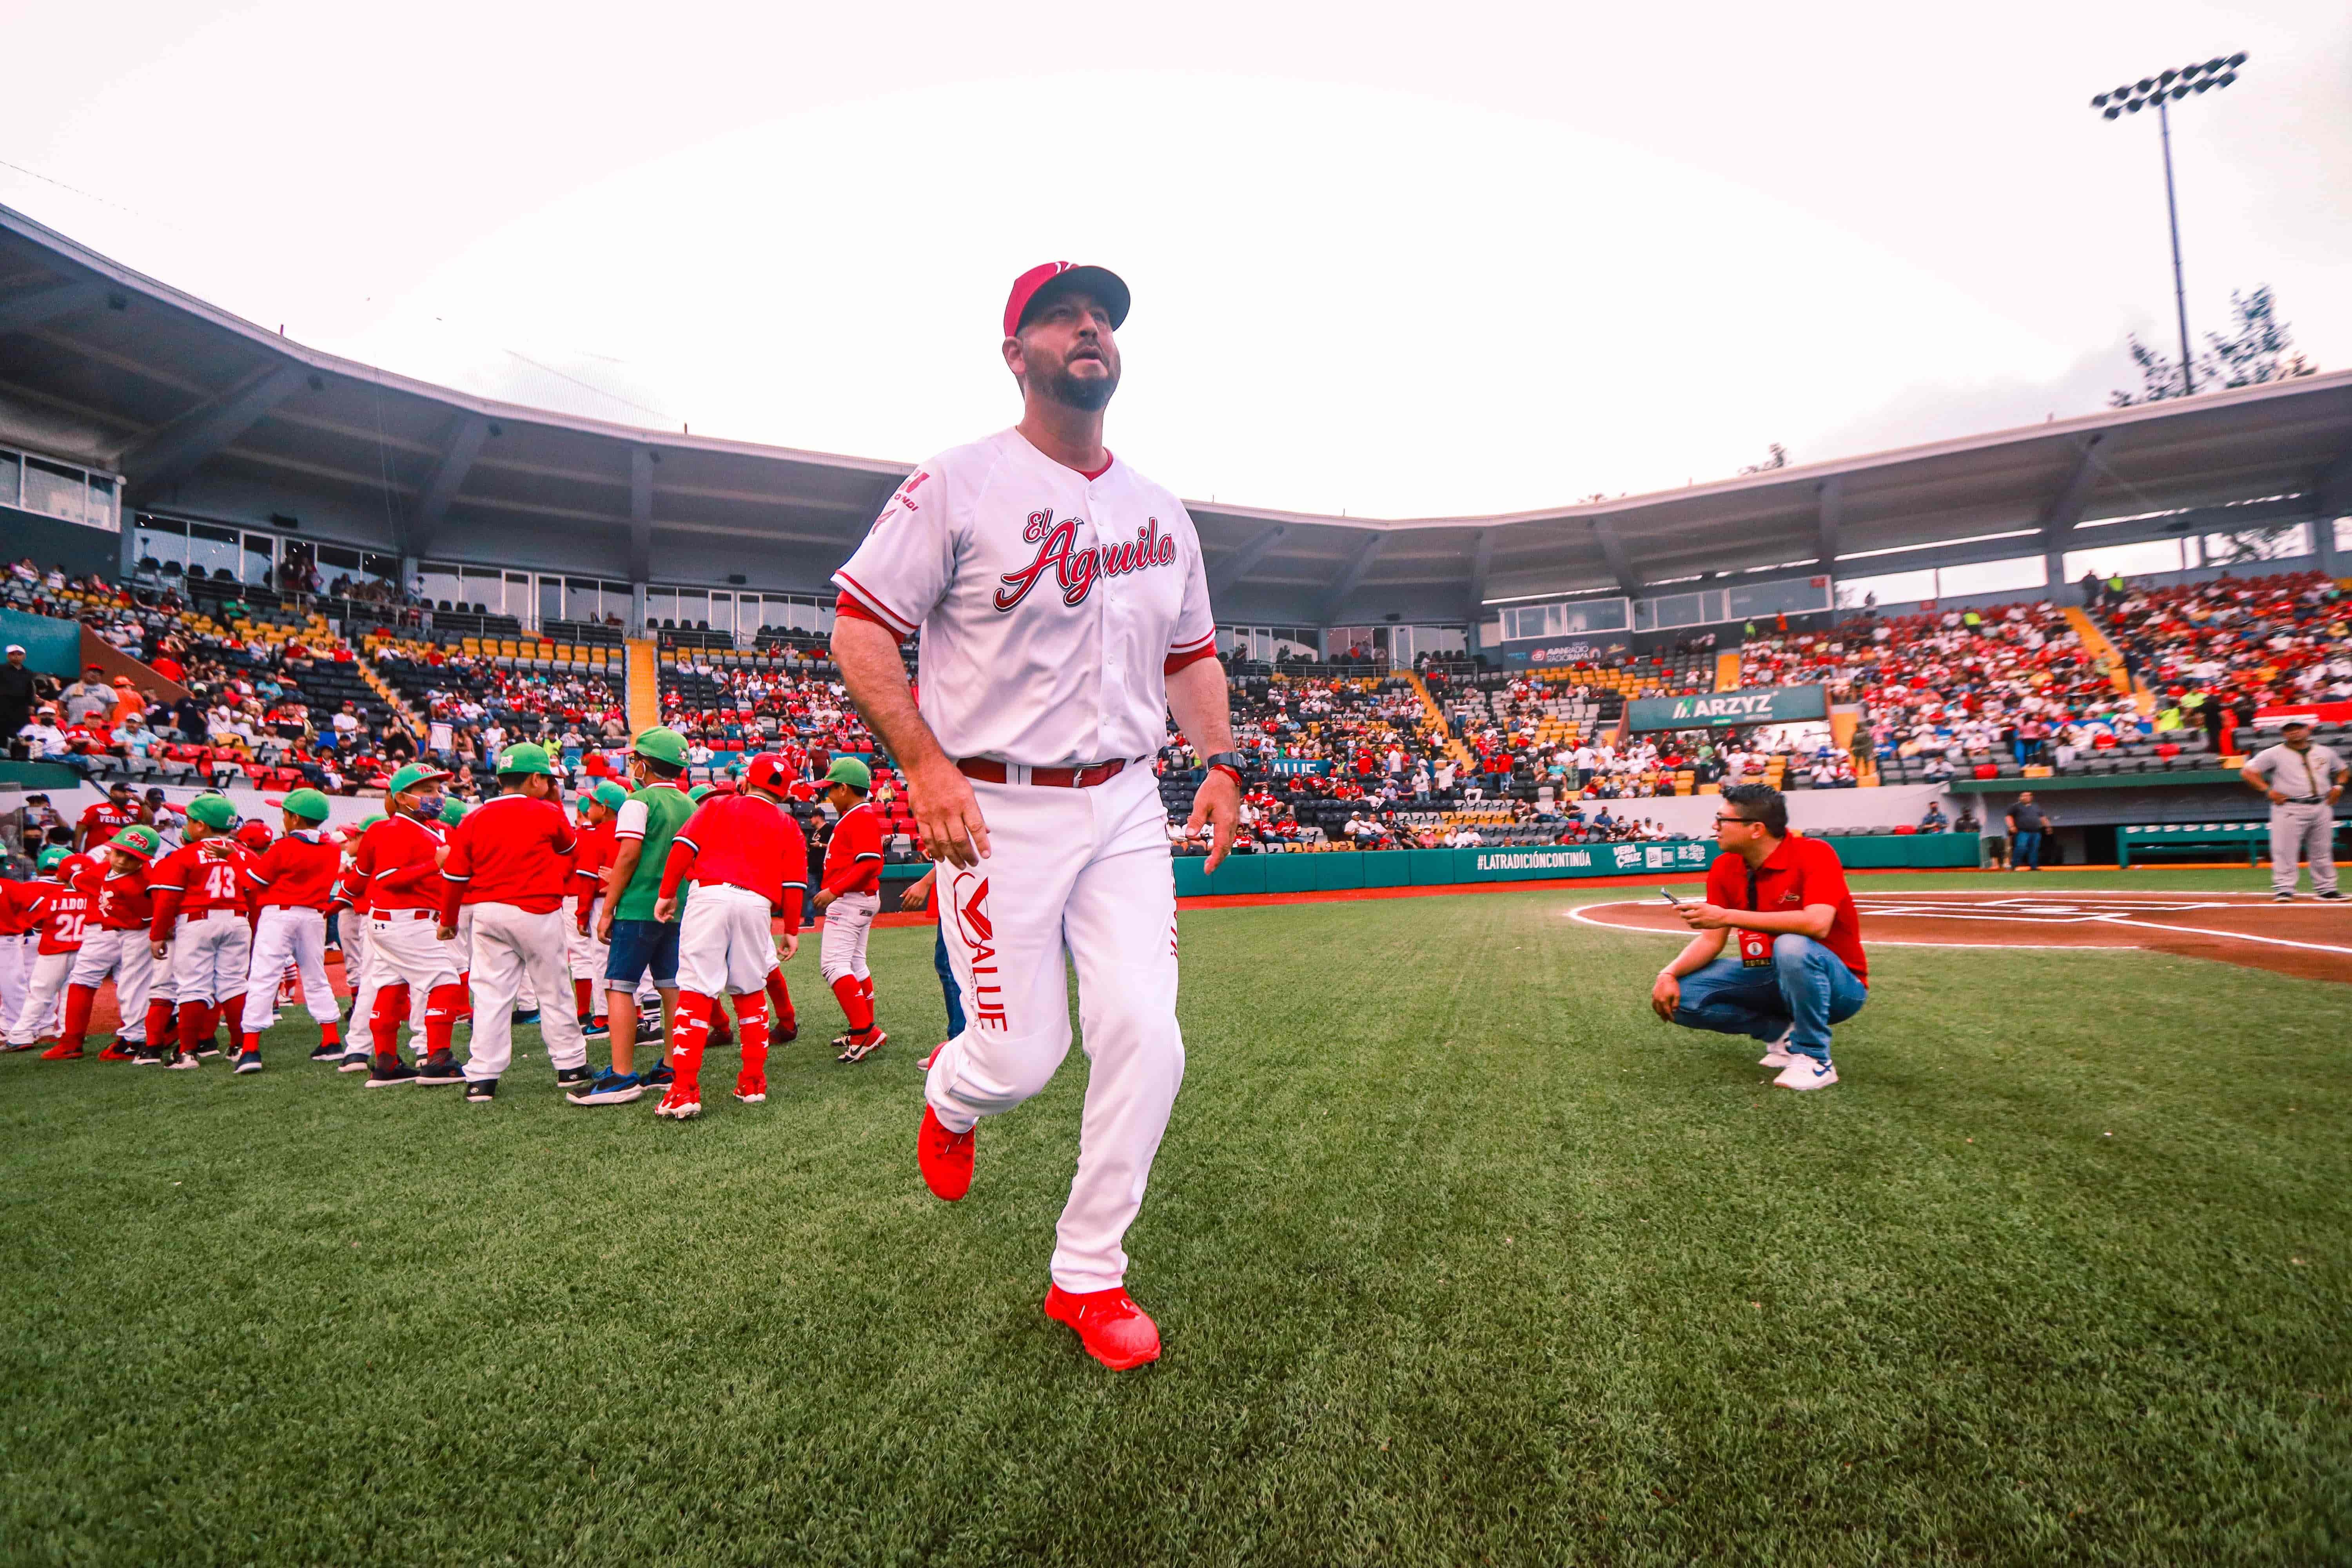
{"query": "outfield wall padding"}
(1345, 870)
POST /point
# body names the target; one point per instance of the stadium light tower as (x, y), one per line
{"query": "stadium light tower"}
(2162, 90)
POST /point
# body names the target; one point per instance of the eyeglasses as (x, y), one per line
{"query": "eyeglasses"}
(1720, 820)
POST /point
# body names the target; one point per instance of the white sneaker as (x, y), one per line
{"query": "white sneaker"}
(1804, 1073)
(1777, 1054)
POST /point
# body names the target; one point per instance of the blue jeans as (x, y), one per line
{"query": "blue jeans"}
(947, 981)
(1808, 986)
(2026, 850)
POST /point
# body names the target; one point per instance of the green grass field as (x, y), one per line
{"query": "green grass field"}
(1461, 1256)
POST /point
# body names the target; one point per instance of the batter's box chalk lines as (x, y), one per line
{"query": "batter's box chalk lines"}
(2227, 935)
(1582, 917)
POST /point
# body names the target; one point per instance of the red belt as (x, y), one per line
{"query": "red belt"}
(1093, 773)
(404, 914)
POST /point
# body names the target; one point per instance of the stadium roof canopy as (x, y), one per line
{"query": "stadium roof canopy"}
(209, 417)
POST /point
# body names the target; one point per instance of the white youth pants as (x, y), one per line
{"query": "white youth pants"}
(16, 973)
(286, 936)
(513, 946)
(1084, 873)
(849, 920)
(210, 954)
(725, 944)
(2302, 833)
(43, 1010)
(125, 955)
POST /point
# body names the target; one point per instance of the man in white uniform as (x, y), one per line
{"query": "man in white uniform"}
(2303, 781)
(1064, 615)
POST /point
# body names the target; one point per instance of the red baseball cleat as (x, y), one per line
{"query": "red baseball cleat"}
(61, 1052)
(118, 1052)
(751, 1088)
(1114, 1330)
(945, 1157)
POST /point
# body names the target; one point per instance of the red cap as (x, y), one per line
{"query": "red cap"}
(769, 772)
(1100, 281)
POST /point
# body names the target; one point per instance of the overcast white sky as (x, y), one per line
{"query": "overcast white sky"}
(1400, 261)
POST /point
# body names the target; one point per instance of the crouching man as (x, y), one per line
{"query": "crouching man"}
(1797, 966)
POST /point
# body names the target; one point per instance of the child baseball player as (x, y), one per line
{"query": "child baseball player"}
(398, 869)
(201, 904)
(510, 862)
(848, 898)
(293, 881)
(115, 945)
(598, 807)
(60, 900)
(749, 866)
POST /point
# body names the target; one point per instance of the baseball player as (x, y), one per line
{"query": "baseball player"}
(60, 902)
(1064, 616)
(349, 908)
(2303, 781)
(19, 922)
(749, 866)
(102, 821)
(398, 868)
(598, 807)
(115, 945)
(201, 903)
(293, 881)
(510, 862)
(849, 898)
(638, 944)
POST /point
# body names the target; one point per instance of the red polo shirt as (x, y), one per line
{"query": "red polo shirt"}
(1801, 871)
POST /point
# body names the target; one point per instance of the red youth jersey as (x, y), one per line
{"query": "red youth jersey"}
(125, 902)
(196, 880)
(742, 841)
(1801, 871)
(297, 871)
(397, 867)
(16, 910)
(511, 850)
(852, 855)
(62, 909)
(589, 860)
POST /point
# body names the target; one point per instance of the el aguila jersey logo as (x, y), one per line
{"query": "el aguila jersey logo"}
(1075, 570)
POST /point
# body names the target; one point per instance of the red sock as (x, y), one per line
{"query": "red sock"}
(159, 1017)
(866, 985)
(441, 1008)
(391, 1007)
(780, 1001)
(77, 1003)
(722, 1035)
(232, 1012)
(853, 1004)
(329, 1035)
(751, 1022)
(195, 1024)
(465, 994)
(583, 1000)
(691, 1032)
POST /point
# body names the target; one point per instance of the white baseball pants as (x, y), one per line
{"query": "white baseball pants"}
(512, 946)
(125, 955)
(725, 944)
(2302, 833)
(16, 973)
(849, 920)
(286, 936)
(1086, 872)
(43, 1010)
(210, 955)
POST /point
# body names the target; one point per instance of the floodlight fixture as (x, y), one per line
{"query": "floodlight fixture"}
(2162, 90)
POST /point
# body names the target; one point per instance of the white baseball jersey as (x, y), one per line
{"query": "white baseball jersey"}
(1051, 603)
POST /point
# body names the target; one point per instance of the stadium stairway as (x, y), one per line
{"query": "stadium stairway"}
(645, 685)
(1727, 671)
(2104, 650)
(392, 698)
(1429, 705)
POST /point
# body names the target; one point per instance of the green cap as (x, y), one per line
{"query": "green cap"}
(53, 857)
(661, 746)
(851, 772)
(609, 795)
(409, 777)
(368, 821)
(527, 757)
(698, 793)
(308, 805)
(453, 811)
(141, 841)
(214, 811)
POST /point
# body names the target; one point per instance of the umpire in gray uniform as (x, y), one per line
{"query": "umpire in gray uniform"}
(2302, 782)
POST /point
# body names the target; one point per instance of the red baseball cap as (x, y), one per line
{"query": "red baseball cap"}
(1044, 282)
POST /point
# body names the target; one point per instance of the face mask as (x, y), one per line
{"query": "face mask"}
(428, 808)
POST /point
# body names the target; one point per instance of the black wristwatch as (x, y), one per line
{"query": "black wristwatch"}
(1232, 763)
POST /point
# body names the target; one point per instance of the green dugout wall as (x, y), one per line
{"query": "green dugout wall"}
(1345, 870)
